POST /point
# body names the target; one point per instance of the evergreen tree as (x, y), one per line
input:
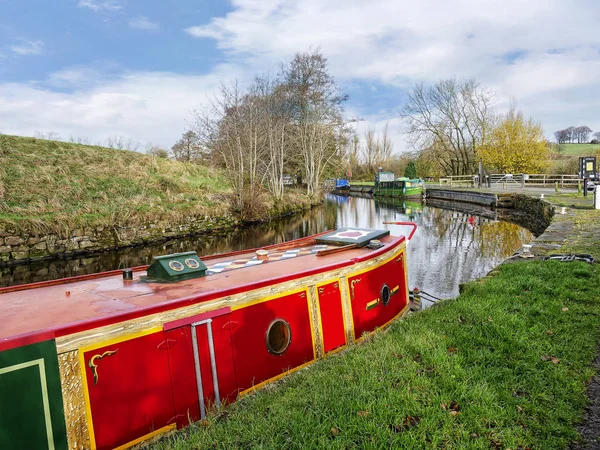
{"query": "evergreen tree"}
(411, 170)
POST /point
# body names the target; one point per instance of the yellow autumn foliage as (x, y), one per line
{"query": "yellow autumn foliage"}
(515, 145)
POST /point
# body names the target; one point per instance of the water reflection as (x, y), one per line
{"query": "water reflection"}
(449, 248)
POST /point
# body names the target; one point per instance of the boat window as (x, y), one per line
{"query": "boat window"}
(279, 336)
(385, 294)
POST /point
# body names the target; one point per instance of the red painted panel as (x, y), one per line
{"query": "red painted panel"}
(332, 317)
(183, 372)
(221, 327)
(183, 375)
(367, 287)
(132, 396)
(253, 363)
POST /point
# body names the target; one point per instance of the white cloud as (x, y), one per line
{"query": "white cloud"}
(100, 5)
(26, 47)
(524, 50)
(143, 23)
(145, 107)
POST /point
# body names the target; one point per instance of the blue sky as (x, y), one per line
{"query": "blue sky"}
(132, 35)
(99, 68)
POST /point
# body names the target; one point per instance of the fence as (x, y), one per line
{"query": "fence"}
(523, 180)
(460, 180)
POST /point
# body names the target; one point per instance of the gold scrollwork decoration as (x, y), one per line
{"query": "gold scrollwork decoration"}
(94, 366)
(352, 283)
(321, 290)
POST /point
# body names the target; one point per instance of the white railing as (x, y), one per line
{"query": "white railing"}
(520, 179)
(459, 180)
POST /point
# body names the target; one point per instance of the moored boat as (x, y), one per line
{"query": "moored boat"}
(342, 184)
(386, 185)
(112, 359)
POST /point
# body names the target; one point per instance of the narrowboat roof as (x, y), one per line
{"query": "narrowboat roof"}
(414, 180)
(61, 307)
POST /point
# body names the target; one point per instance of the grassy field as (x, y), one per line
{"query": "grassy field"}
(578, 149)
(57, 185)
(502, 366)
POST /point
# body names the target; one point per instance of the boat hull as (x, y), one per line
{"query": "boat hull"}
(416, 192)
(113, 385)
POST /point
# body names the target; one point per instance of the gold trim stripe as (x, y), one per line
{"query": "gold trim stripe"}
(89, 337)
(147, 436)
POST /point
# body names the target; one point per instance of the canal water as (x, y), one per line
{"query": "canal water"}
(449, 247)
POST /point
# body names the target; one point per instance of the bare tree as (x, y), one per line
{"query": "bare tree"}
(452, 117)
(79, 140)
(122, 143)
(385, 147)
(353, 154)
(370, 151)
(319, 126)
(571, 134)
(561, 136)
(48, 136)
(187, 148)
(156, 151)
(582, 134)
(277, 126)
(229, 127)
(596, 135)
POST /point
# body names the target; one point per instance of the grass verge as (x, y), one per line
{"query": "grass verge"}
(502, 366)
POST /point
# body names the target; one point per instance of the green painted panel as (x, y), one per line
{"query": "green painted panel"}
(30, 386)
(175, 267)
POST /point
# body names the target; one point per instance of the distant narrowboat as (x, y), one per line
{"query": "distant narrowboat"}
(386, 185)
(110, 360)
(342, 185)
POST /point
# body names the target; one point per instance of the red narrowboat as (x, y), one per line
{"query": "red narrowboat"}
(109, 360)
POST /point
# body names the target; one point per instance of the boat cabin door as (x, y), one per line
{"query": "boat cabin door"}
(201, 364)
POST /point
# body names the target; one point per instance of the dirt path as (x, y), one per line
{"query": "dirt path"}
(590, 428)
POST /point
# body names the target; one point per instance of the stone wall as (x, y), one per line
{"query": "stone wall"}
(21, 246)
(476, 198)
(535, 213)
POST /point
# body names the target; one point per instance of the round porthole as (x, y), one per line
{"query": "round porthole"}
(279, 336)
(192, 263)
(176, 266)
(385, 294)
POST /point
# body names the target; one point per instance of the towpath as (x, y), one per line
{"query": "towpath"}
(575, 229)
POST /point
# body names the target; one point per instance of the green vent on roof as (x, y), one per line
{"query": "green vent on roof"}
(176, 267)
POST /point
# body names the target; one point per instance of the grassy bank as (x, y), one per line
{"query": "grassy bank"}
(502, 366)
(578, 149)
(57, 185)
(51, 186)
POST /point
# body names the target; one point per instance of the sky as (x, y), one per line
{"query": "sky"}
(94, 69)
